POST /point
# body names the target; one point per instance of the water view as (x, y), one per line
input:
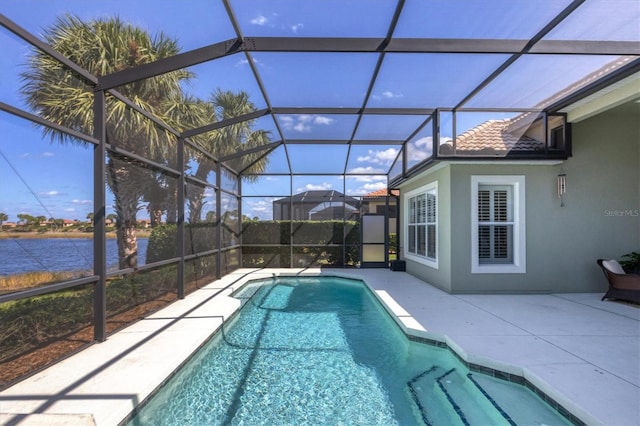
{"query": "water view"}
(21, 255)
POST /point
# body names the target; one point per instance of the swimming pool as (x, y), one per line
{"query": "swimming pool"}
(322, 350)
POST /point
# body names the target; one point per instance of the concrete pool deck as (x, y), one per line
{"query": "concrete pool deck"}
(581, 351)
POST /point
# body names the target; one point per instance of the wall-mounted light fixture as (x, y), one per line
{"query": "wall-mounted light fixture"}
(562, 187)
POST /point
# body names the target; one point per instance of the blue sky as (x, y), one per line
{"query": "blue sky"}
(41, 178)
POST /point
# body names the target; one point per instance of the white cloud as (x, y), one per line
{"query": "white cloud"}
(422, 149)
(245, 61)
(262, 209)
(260, 206)
(387, 94)
(70, 210)
(48, 154)
(304, 123)
(302, 128)
(390, 95)
(423, 142)
(50, 193)
(417, 156)
(296, 27)
(375, 186)
(385, 157)
(312, 187)
(365, 178)
(84, 202)
(367, 169)
(260, 20)
(322, 120)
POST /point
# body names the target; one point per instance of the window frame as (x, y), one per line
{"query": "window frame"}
(518, 264)
(432, 189)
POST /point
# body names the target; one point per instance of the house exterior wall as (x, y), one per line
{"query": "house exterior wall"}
(541, 201)
(440, 277)
(600, 217)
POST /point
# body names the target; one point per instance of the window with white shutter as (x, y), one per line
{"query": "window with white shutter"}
(495, 224)
(421, 230)
(498, 232)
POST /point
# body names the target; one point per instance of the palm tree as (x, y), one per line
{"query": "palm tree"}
(104, 46)
(3, 218)
(231, 139)
(192, 113)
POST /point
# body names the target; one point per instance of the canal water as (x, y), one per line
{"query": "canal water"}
(20, 255)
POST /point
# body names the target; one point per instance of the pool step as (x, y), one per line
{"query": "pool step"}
(430, 401)
(520, 405)
(491, 400)
(442, 380)
(446, 397)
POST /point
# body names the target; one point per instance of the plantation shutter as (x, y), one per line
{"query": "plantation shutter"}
(421, 226)
(431, 225)
(495, 224)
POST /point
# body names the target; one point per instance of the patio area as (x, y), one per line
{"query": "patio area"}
(578, 350)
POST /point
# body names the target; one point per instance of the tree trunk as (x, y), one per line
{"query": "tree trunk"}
(121, 178)
(127, 244)
(171, 201)
(196, 196)
(155, 214)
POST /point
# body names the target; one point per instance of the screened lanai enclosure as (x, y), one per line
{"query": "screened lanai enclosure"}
(179, 141)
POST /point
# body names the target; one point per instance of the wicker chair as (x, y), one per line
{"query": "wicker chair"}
(622, 285)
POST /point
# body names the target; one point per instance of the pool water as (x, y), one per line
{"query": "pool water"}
(322, 351)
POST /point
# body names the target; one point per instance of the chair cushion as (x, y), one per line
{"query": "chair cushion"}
(613, 266)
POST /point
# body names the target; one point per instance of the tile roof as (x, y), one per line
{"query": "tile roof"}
(590, 78)
(492, 137)
(381, 193)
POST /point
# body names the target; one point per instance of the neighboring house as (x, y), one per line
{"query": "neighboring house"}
(479, 225)
(316, 205)
(68, 222)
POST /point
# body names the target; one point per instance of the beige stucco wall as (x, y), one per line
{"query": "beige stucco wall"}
(600, 217)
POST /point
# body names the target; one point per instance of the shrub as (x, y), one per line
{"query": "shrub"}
(393, 243)
(631, 262)
(316, 243)
(163, 243)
